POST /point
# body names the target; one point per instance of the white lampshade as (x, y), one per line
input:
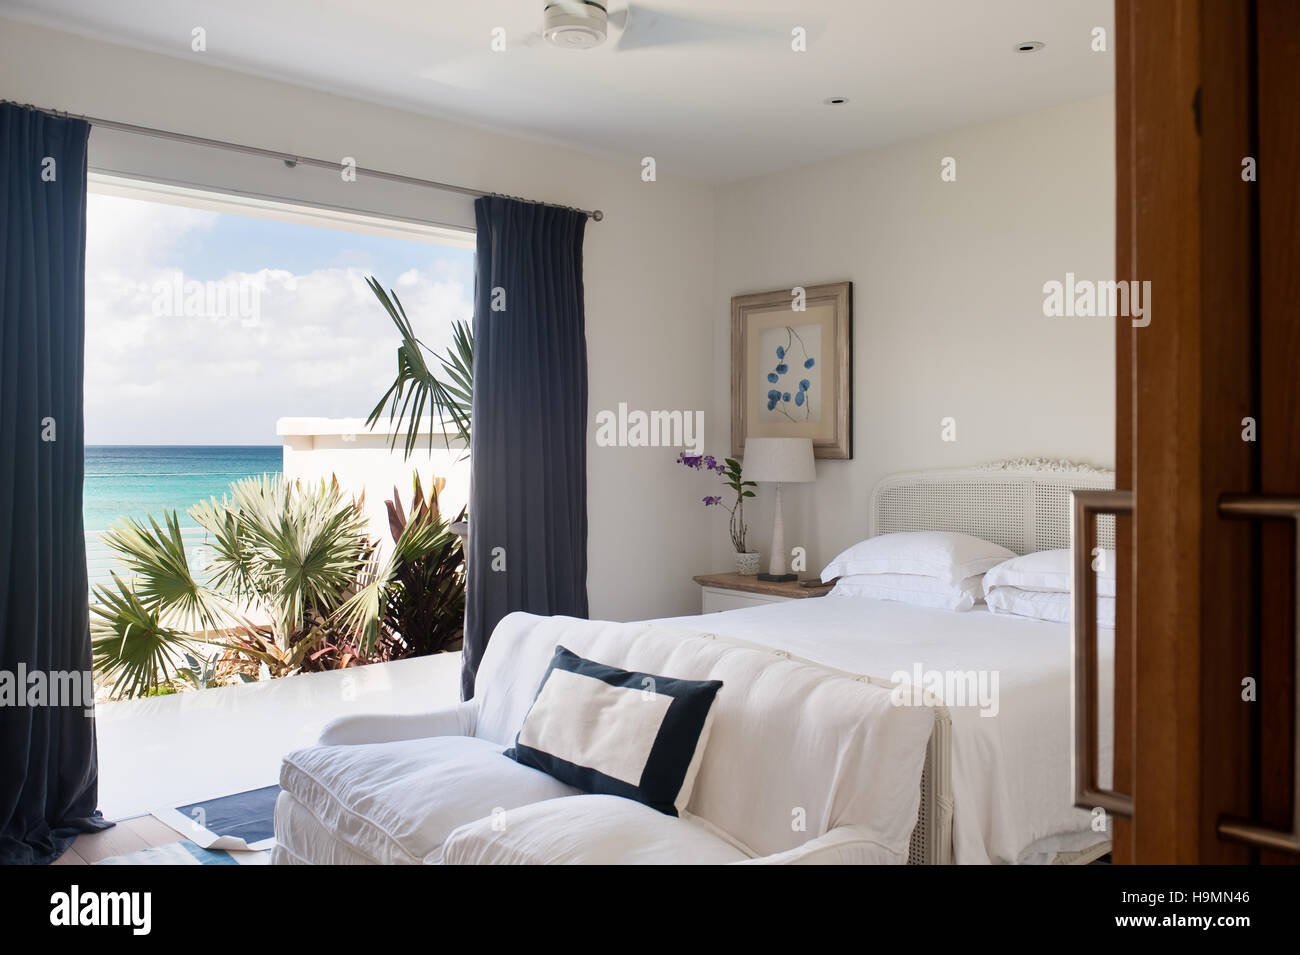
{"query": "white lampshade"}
(787, 460)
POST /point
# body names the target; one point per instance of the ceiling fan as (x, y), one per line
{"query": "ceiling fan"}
(583, 24)
(586, 24)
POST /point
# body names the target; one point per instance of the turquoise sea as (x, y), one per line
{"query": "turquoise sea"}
(138, 481)
(134, 481)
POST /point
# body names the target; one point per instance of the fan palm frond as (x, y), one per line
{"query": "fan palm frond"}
(304, 544)
(458, 364)
(131, 646)
(417, 387)
(231, 562)
(161, 575)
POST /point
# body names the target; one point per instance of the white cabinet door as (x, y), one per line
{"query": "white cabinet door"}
(714, 599)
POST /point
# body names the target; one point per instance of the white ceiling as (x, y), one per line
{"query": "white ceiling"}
(735, 103)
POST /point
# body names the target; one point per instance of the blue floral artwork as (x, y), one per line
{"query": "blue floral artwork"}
(793, 375)
(791, 367)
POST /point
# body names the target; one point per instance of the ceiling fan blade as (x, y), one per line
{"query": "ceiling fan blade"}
(474, 70)
(643, 28)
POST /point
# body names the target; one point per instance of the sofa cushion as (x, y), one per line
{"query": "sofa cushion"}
(300, 839)
(795, 750)
(587, 830)
(619, 732)
(396, 802)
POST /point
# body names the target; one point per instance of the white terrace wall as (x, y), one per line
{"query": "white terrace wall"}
(364, 463)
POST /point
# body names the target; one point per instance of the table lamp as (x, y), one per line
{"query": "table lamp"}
(778, 461)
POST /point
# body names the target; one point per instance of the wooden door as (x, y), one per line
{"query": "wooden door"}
(1208, 406)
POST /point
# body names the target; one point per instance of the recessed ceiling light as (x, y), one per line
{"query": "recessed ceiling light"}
(1029, 46)
(835, 100)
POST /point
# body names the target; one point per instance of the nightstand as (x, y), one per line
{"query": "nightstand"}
(733, 591)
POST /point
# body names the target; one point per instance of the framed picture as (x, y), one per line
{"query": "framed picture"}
(791, 367)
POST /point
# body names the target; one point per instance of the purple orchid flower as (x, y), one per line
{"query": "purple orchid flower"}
(697, 461)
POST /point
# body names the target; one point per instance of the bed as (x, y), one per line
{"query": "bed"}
(996, 787)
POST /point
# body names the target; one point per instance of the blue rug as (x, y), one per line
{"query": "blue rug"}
(239, 822)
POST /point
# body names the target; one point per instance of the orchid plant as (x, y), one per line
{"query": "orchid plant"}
(729, 470)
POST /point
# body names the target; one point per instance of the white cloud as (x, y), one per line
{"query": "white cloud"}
(123, 233)
(321, 344)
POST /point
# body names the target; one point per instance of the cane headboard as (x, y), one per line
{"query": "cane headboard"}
(1024, 505)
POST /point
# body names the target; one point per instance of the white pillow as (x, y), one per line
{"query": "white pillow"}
(1048, 570)
(603, 729)
(944, 555)
(1045, 605)
(913, 589)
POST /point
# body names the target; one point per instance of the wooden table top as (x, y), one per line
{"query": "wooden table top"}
(753, 585)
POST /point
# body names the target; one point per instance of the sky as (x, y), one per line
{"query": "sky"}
(205, 327)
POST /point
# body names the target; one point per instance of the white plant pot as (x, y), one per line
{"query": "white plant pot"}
(747, 564)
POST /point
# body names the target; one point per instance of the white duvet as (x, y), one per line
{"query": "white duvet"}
(1011, 771)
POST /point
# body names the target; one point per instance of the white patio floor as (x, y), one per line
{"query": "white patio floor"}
(171, 750)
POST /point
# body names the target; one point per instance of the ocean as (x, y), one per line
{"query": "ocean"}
(139, 481)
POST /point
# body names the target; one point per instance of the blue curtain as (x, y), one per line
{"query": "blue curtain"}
(528, 470)
(48, 773)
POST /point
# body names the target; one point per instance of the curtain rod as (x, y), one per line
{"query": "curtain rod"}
(289, 159)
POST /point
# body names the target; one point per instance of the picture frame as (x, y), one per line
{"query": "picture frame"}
(792, 367)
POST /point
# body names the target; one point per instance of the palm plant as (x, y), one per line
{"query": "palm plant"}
(141, 628)
(156, 558)
(427, 605)
(287, 552)
(290, 550)
(417, 594)
(294, 555)
(130, 645)
(445, 392)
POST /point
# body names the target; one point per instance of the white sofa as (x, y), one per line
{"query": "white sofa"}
(802, 765)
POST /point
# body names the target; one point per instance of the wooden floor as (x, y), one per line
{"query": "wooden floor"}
(129, 835)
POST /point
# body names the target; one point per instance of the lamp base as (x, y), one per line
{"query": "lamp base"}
(778, 578)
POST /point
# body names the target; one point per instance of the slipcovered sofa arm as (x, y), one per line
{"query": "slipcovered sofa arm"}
(844, 845)
(458, 720)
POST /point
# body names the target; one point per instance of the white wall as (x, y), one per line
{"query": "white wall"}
(947, 285)
(648, 265)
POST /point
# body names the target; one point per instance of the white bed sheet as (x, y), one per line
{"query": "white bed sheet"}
(1011, 772)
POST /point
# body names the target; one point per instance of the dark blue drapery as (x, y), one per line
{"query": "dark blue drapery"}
(48, 772)
(528, 488)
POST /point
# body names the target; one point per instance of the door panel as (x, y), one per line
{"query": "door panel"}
(1186, 222)
(1278, 32)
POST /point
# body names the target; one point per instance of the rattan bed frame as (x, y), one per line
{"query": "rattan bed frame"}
(1024, 505)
